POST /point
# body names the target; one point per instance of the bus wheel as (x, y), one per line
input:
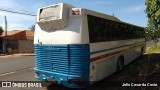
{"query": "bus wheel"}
(120, 64)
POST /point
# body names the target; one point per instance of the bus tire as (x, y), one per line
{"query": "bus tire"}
(120, 64)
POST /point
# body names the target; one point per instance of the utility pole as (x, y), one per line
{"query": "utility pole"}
(5, 18)
(4, 41)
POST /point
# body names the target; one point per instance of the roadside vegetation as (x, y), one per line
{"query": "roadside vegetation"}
(154, 49)
(153, 14)
(1, 30)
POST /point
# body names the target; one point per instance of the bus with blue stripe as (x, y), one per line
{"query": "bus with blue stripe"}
(76, 47)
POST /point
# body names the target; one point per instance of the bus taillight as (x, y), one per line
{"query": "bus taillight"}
(78, 81)
(52, 80)
(36, 74)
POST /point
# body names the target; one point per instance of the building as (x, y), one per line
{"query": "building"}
(18, 41)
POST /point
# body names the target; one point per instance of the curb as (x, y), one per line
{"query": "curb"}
(12, 55)
(24, 55)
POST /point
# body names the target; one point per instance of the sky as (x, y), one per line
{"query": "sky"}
(130, 11)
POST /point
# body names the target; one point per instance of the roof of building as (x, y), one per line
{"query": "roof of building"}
(18, 34)
(30, 33)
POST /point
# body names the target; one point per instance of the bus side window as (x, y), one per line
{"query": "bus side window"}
(95, 34)
(101, 30)
(122, 31)
(110, 31)
(104, 30)
(115, 31)
(107, 30)
(119, 31)
(91, 24)
(132, 32)
(125, 32)
(98, 30)
(143, 32)
(128, 31)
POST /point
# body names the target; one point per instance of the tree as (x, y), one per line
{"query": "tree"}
(32, 27)
(153, 13)
(1, 30)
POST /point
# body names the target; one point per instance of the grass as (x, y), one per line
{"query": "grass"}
(154, 49)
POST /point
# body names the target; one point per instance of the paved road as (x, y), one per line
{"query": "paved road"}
(21, 69)
(17, 68)
(9, 64)
(150, 43)
(23, 75)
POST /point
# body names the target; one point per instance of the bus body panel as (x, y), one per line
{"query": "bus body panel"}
(104, 59)
(63, 55)
(67, 54)
(69, 35)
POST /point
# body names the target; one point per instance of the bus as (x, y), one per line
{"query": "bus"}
(76, 47)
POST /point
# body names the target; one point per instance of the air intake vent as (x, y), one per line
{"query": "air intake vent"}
(50, 13)
(53, 17)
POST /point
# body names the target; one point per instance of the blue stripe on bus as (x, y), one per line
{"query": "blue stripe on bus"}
(95, 52)
(99, 51)
(112, 53)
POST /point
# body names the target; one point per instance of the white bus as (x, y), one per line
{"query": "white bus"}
(75, 47)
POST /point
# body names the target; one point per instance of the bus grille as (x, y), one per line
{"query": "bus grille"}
(63, 59)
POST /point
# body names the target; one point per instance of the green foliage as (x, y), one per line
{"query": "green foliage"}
(153, 13)
(151, 34)
(1, 30)
(32, 28)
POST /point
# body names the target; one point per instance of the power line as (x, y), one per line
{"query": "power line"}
(16, 12)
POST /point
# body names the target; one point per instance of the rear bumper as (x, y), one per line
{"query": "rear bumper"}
(61, 79)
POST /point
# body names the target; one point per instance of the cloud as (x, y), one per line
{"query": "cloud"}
(138, 8)
(15, 21)
(103, 2)
(134, 9)
(13, 26)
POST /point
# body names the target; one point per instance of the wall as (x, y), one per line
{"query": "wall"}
(1, 45)
(25, 46)
(12, 46)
